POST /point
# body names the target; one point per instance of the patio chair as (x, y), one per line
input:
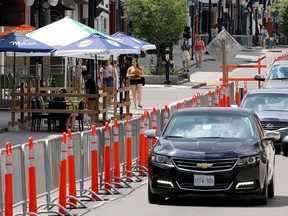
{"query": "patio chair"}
(80, 116)
(61, 118)
(37, 117)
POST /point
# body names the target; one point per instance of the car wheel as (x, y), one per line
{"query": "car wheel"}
(271, 187)
(264, 197)
(154, 198)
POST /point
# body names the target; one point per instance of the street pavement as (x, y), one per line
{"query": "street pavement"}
(201, 81)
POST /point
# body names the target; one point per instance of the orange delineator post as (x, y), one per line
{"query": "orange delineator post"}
(32, 183)
(154, 123)
(116, 149)
(94, 163)
(178, 106)
(245, 88)
(209, 99)
(228, 95)
(217, 96)
(71, 169)
(146, 151)
(128, 146)
(185, 104)
(221, 99)
(259, 71)
(63, 175)
(142, 145)
(166, 116)
(107, 163)
(237, 96)
(9, 181)
(224, 94)
(194, 101)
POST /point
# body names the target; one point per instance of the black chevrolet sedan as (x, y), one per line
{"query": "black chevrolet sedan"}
(212, 151)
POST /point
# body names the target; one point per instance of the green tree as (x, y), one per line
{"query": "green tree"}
(161, 22)
(282, 8)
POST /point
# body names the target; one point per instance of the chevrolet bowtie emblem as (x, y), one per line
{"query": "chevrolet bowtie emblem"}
(204, 165)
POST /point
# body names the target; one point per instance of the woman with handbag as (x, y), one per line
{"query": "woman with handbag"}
(135, 74)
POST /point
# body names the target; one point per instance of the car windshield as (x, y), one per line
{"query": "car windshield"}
(214, 126)
(278, 72)
(266, 102)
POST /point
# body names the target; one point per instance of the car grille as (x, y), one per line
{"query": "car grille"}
(274, 125)
(190, 186)
(204, 165)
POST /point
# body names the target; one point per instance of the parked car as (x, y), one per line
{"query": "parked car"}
(276, 76)
(212, 150)
(271, 106)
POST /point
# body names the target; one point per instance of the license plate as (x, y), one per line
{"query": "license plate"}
(203, 180)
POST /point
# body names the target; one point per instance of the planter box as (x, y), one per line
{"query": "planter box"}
(157, 79)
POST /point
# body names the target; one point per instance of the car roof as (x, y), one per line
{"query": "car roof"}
(219, 110)
(269, 90)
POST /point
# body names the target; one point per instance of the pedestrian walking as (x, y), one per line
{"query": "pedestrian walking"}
(90, 88)
(135, 73)
(185, 55)
(199, 47)
(264, 36)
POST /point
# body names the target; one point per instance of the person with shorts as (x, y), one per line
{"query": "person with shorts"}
(134, 73)
(185, 55)
(90, 88)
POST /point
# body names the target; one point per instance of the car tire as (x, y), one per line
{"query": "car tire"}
(263, 200)
(271, 187)
(154, 198)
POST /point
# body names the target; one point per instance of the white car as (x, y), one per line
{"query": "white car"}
(276, 76)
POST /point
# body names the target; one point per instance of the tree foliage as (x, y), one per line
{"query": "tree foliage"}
(282, 8)
(161, 22)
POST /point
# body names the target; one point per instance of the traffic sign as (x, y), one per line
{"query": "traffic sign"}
(232, 47)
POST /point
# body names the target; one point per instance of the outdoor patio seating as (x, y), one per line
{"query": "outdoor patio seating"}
(60, 118)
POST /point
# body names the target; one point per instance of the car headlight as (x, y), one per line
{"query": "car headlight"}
(161, 159)
(249, 160)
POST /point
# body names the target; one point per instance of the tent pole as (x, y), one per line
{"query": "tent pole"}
(96, 69)
(14, 68)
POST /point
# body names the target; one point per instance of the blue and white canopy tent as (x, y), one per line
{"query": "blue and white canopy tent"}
(96, 44)
(133, 42)
(15, 42)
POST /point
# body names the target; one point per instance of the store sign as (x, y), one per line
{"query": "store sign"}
(12, 12)
(214, 48)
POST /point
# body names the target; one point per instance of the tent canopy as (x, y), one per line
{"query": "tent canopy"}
(63, 32)
(22, 29)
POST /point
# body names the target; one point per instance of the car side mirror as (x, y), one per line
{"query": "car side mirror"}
(151, 134)
(272, 135)
(259, 77)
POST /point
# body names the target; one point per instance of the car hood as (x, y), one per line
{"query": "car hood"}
(275, 83)
(272, 115)
(207, 147)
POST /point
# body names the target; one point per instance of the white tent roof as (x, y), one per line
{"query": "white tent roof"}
(62, 32)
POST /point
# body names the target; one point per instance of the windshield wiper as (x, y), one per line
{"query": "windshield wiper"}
(284, 78)
(173, 137)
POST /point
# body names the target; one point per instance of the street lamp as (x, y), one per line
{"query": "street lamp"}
(192, 20)
(167, 51)
(256, 4)
(200, 17)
